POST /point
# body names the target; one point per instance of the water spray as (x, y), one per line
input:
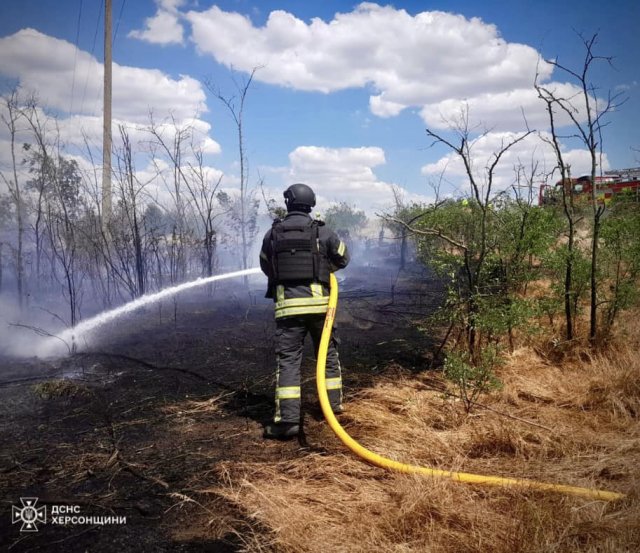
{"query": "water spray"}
(72, 335)
(386, 463)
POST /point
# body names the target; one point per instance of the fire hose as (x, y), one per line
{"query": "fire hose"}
(384, 462)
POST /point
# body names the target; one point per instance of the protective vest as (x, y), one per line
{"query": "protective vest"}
(298, 254)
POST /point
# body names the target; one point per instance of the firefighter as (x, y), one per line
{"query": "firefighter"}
(298, 254)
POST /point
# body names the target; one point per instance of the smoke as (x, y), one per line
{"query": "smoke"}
(39, 331)
(24, 331)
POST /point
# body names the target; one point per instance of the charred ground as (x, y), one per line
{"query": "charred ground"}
(140, 424)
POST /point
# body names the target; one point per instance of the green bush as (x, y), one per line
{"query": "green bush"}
(471, 379)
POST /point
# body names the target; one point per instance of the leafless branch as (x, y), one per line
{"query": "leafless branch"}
(425, 231)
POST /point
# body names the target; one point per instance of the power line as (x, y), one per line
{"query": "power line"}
(75, 57)
(115, 34)
(93, 49)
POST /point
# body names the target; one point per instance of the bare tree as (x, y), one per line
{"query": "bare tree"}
(203, 190)
(587, 113)
(61, 222)
(10, 120)
(61, 205)
(96, 236)
(6, 215)
(130, 190)
(174, 150)
(524, 193)
(568, 209)
(235, 105)
(42, 166)
(400, 212)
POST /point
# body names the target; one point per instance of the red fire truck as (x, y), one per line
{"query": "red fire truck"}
(616, 183)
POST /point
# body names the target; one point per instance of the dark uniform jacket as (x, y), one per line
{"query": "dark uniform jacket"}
(304, 297)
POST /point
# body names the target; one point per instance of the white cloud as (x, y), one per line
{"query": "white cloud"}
(342, 174)
(508, 110)
(529, 151)
(75, 129)
(435, 61)
(384, 108)
(164, 27)
(46, 65)
(409, 60)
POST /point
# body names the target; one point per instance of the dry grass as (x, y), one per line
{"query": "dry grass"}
(60, 388)
(196, 407)
(583, 430)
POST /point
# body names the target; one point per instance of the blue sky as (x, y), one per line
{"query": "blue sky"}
(346, 90)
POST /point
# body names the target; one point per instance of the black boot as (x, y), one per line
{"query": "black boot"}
(281, 431)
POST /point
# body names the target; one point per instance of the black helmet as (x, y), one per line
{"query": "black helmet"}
(299, 197)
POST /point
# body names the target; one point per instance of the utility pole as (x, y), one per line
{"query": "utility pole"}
(106, 122)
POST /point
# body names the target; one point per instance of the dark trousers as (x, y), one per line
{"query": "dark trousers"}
(290, 335)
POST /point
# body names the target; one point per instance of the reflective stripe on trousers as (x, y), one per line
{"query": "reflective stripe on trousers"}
(290, 336)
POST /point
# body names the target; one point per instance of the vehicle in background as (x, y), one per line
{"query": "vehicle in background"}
(619, 184)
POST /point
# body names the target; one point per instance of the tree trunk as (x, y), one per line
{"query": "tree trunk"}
(567, 203)
(403, 249)
(593, 308)
(19, 215)
(138, 249)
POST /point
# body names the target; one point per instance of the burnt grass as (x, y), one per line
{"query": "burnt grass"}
(137, 425)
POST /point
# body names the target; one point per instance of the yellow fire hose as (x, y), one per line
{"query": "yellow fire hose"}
(386, 463)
